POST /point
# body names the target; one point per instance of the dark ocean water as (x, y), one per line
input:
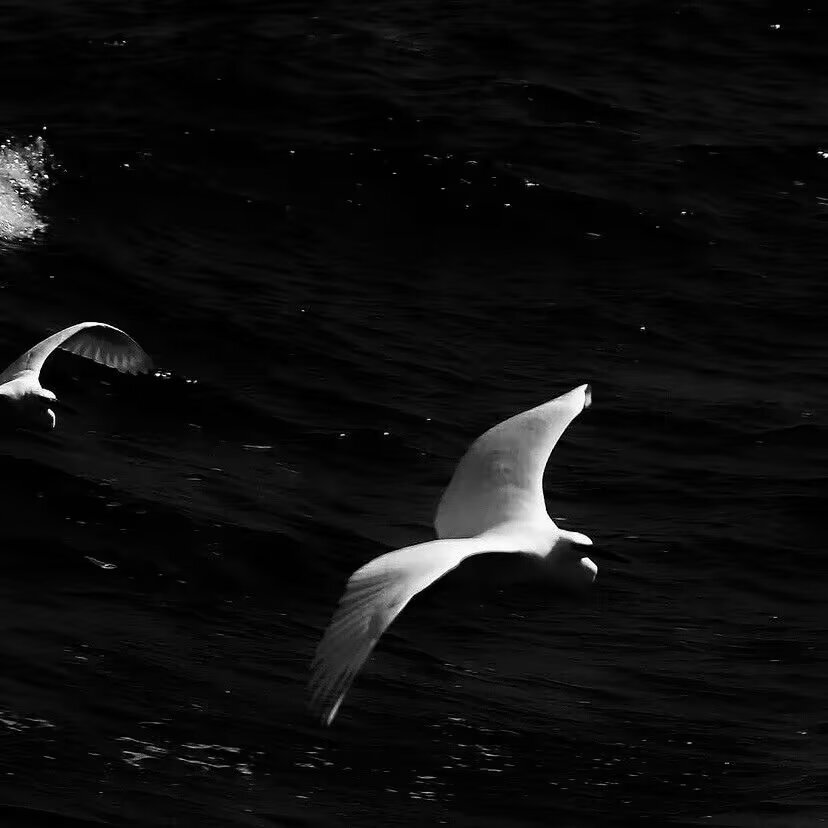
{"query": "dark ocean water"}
(353, 236)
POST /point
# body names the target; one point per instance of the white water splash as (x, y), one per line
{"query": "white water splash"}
(24, 177)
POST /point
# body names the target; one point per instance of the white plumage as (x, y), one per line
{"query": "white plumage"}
(494, 503)
(20, 387)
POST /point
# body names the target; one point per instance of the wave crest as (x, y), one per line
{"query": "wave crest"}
(24, 177)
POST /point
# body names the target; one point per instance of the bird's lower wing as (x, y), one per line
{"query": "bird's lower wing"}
(373, 598)
(500, 477)
(93, 340)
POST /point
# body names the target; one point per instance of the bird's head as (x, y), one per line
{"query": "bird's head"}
(572, 567)
(44, 414)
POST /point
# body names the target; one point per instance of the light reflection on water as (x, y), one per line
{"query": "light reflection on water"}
(206, 758)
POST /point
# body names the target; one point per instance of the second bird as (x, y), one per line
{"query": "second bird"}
(24, 401)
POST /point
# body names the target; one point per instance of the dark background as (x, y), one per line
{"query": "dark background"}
(353, 236)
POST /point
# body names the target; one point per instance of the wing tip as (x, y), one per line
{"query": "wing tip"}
(327, 715)
(587, 395)
(322, 709)
(144, 364)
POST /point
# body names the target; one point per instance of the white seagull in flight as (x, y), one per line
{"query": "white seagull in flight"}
(21, 393)
(494, 503)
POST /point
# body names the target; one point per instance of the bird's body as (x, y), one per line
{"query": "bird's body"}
(23, 400)
(494, 503)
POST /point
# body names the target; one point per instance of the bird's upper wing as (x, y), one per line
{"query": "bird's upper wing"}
(500, 478)
(94, 340)
(373, 598)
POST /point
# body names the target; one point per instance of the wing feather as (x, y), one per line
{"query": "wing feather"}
(500, 478)
(94, 340)
(374, 596)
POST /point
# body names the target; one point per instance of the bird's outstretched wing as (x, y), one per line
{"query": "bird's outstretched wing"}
(93, 340)
(500, 478)
(373, 598)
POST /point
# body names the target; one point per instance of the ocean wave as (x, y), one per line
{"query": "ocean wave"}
(24, 177)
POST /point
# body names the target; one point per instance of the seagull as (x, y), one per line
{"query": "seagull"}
(494, 503)
(21, 393)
